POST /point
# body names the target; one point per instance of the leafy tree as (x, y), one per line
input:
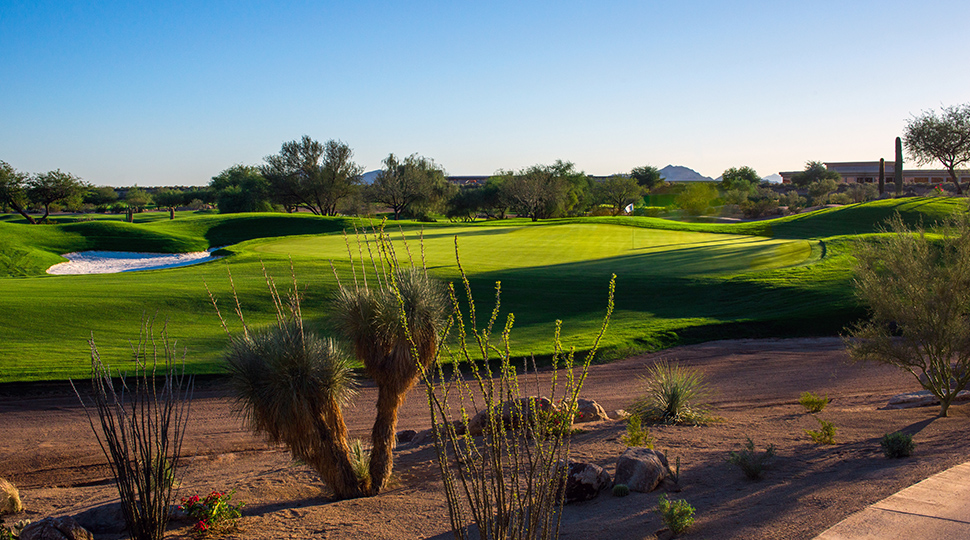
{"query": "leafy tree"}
(618, 191)
(696, 198)
(814, 171)
(312, 175)
(13, 190)
(137, 199)
(402, 185)
(170, 199)
(820, 189)
(944, 138)
(241, 188)
(465, 203)
(55, 187)
(493, 200)
(793, 201)
(918, 293)
(544, 191)
(741, 178)
(647, 176)
(101, 196)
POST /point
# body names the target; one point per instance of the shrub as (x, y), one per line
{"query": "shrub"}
(825, 434)
(142, 426)
(677, 514)
(360, 461)
(215, 515)
(793, 201)
(621, 490)
(671, 396)
(841, 198)
(750, 462)
(897, 445)
(9, 498)
(636, 434)
(759, 208)
(813, 403)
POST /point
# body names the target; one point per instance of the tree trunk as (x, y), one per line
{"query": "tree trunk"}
(20, 210)
(333, 461)
(956, 181)
(383, 436)
(171, 213)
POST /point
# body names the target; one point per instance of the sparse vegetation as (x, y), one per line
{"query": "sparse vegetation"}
(672, 395)
(636, 434)
(676, 514)
(214, 515)
(751, 462)
(813, 403)
(621, 490)
(9, 498)
(897, 445)
(825, 433)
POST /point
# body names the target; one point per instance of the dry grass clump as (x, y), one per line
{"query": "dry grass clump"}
(9, 498)
(673, 394)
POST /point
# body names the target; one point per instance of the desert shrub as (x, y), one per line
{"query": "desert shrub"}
(862, 192)
(897, 445)
(360, 460)
(508, 482)
(621, 490)
(215, 515)
(649, 211)
(636, 434)
(820, 189)
(813, 403)
(759, 208)
(793, 201)
(825, 433)
(9, 498)
(841, 198)
(676, 514)
(696, 198)
(751, 462)
(142, 426)
(671, 395)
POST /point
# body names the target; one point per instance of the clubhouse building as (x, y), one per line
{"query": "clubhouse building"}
(867, 172)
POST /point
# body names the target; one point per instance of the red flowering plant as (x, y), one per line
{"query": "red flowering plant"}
(214, 515)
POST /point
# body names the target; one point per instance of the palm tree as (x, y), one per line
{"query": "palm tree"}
(291, 385)
(373, 319)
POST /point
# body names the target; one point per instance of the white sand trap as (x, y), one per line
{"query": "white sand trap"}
(111, 262)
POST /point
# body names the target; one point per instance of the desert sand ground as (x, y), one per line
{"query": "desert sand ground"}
(49, 452)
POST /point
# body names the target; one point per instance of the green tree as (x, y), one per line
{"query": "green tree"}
(647, 176)
(820, 189)
(814, 171)
(241, 188)
(313, 175)
(101, 196)
(696, 198)
(13, 190)
(944, 138)
(403, 185)
(169, 199)
(618, 191)
(917, 289)
(545, 191)
(465, 203)
(55, 187)
(137, 199)
(740, 178)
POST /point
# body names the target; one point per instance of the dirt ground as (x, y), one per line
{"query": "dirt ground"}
(49, 452)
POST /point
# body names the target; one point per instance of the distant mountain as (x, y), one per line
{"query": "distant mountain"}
(369, 177)
(773, 178)
(676, 173)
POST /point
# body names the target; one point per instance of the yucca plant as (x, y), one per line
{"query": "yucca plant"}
(290, 385)
(394, 321)
(672, 395)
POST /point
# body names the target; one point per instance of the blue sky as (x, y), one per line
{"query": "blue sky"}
(171, 93)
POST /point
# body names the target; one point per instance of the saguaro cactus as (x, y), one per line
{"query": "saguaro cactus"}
(882, 176)
(898, 166)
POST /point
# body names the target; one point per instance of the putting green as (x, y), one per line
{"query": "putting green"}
(501, 248)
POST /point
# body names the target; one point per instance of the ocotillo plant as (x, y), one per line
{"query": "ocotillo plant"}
(898, 166)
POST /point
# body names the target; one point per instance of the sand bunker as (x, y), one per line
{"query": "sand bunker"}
(110, 262)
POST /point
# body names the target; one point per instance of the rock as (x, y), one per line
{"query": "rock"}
(62, 528)
(621, 414)
(642, 469)
(588, 410)
(406, 436)
(923, 398)
(664, 534)
(9, 498)
(511, 413)
(584, 481)
(107, 518)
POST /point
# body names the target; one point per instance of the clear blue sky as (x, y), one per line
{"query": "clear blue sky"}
(169, 93)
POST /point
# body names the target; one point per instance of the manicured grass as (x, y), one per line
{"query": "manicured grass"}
(676, 282)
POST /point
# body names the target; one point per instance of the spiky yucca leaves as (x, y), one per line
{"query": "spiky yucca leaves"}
(672, 395)
(291, 385)
(374, 319)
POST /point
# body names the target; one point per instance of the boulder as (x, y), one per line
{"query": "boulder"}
(61, 528)
(512, 412)
(584, 481)
(642, 469)
(923, 398)
(9, 498)
(405, 436)
(106, 518)
(588, 410)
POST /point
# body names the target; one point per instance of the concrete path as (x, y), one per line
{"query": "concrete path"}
(936, 508)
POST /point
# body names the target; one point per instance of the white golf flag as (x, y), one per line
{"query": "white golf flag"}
(629, 208)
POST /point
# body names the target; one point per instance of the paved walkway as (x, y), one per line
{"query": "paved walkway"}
(936, 508)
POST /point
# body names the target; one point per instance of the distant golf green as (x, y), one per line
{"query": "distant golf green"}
(676, 282)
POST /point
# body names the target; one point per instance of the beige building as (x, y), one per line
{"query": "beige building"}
(866, 172)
